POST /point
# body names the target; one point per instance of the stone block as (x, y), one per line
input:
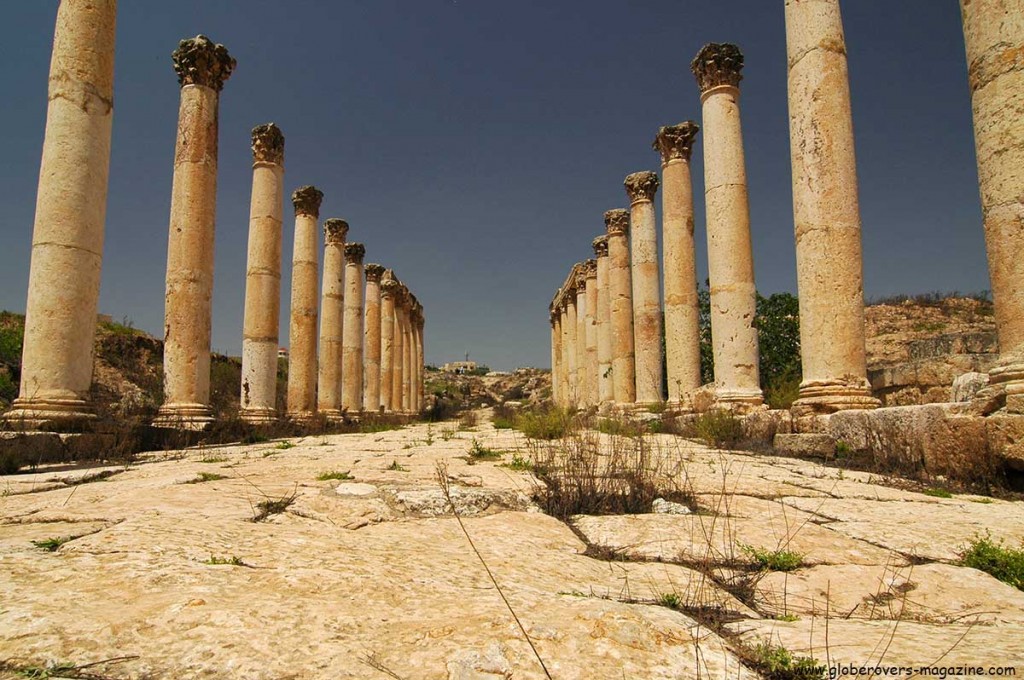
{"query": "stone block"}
(805, 445)
(1005, 436)
(966, 386)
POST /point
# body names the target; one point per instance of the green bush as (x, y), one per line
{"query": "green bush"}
(12, 333)
(551, 423)
(719, 428)
(778, 663)
(1006, 564)
(774, 560)
(8, 388)
(783, 390)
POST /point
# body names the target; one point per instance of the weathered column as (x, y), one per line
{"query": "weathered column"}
(682, 310)
(305, 305)
(352, 336)
(830, 277)
(202, 69)
(71, 204)
(565, 370)
(407, 354)
(620, 303)
(417, 359)
(994, 34)
(590, 324)
(332, 319)
(372, 343)
(730, 256)
(555, 317)
(572, 355)
(641, 187)
(263, 278)
(399, 350)
(389, 289)
(605, 389)
(582, 397)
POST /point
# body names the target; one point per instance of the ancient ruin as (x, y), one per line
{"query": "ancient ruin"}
(67, 237)
(332, 318)
(305, 305)
(202, 67)
(263, 278)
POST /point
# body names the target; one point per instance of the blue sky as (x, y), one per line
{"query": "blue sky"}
(473, 145)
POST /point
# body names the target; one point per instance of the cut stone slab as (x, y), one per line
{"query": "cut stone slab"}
(805, 445)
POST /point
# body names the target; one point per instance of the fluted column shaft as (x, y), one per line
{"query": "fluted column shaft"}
(556, 354)
(565, 371)
(202, 69)
(352, 337)
(620, 289)
(590, 324)
(573, 390)
(641, 187)
(830, 277)
(730, 255)
(388, 291)
(417, 395)
(332, 319)
(371, 340)
(682, 308)
(71, 204)
(305, 305)
(258, 399)
(407, 350)
(602, 318)
(399, 353)
(994, 35)
(581, 339)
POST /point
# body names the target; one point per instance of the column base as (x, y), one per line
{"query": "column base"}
(333, 415)
(830, 396)
(1010, 377)
(195, 417)
(301, 417)
(738, 399)
(41, 413)
(258, 416)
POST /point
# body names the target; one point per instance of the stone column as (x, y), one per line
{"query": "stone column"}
(202, 69)
(730, 256)
(605, 389)
(641, 187)
(305, 305)
(582, 398)
(417, 359)
(332, 319)
(565, 370)
(572, 355)
(994, 35)
(372, 344)
(682, 310)
(399, 350)
(620, 303)
(352, 337)
(590, 325)
(263, 278)
(71, 204)
(389, 290)
(555, 318)
(830, 277)
(406, 355)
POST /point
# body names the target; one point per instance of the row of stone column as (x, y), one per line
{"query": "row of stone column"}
(68, 238)
(623, 309)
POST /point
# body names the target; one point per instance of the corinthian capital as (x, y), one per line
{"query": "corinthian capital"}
(307, 201)
(590, 269)
(676, 141)
(335, 231)
(198, 61)
(616, 222)
(390, 288)
(354, 252)
(374, 272)
(717, 64)
(600, 245)
(641, 186)
(267, 144)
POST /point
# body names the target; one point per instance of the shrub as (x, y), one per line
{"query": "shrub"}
(503, 417)
(778, 663)
(468, 420)
(783, 390)
(618, 427)
(480, 452)
(10, 462)
(719, 428)
(550, 423)
(774, 560)
(1006, 564)
(519, 464)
